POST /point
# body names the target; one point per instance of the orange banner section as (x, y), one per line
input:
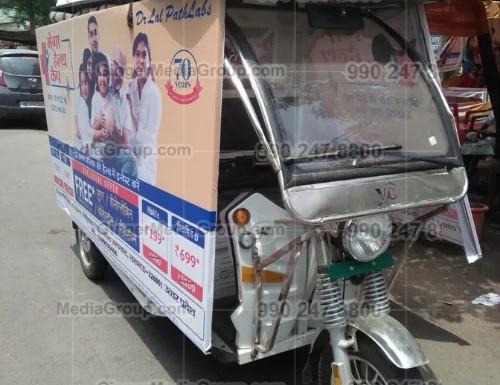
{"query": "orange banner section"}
(155, 258)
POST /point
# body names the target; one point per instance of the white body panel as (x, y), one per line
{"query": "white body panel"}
(266, 213)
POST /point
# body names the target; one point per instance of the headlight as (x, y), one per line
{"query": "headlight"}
(366, 238)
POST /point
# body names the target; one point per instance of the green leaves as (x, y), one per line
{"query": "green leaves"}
(33, 13)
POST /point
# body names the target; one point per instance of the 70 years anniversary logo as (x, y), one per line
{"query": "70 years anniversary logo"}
(183, 85)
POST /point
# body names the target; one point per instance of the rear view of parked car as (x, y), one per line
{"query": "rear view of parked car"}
(20, 84)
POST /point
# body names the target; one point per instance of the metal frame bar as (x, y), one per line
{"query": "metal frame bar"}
(283, 296)
(84, 4)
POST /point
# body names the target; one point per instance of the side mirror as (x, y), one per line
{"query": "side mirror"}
(382, 49)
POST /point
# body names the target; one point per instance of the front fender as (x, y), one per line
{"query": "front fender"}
(392, 338)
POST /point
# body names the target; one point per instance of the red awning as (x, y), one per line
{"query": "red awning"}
(457, 18)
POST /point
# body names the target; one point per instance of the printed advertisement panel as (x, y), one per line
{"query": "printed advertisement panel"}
(134, 120)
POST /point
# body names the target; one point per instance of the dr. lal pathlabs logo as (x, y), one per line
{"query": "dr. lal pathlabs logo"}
(183, 85)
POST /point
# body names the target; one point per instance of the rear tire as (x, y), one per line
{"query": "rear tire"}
(93, 263)
(369, 365)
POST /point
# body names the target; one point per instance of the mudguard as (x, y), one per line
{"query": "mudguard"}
(392, 338)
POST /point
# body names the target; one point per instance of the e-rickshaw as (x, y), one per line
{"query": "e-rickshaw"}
(331, 120)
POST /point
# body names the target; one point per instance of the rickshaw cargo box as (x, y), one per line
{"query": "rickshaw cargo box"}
(129, 116)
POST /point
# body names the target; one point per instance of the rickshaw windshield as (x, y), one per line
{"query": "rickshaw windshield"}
(349, 99)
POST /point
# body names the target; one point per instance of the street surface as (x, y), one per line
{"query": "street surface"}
(39, 269)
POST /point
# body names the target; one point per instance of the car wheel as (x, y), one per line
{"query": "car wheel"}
(93, 263)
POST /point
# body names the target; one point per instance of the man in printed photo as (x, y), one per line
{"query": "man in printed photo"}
(93, 34)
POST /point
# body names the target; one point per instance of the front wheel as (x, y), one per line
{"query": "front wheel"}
(369, 366)
(94, 264)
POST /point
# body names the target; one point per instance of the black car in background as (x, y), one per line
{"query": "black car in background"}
(20, 84)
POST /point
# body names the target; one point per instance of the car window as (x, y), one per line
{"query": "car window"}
(20, 65)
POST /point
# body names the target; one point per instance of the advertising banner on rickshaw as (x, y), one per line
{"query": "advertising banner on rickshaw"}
(134, 134)
(451, 56)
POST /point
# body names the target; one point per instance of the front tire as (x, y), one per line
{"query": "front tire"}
(369, 366)
(93, 263)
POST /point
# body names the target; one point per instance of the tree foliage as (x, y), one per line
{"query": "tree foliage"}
(32, 12)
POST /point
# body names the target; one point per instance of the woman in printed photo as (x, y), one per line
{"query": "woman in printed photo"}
(84, 132)
(472, 56)
(88, 62)
(145, 106)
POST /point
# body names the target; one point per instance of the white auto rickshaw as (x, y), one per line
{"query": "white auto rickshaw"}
(328, 118)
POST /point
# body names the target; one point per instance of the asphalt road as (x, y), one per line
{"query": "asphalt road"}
(39, 271)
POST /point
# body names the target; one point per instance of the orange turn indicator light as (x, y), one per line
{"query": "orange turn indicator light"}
(241, 217)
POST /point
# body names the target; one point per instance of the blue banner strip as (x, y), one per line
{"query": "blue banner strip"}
(155, 212)
(189, 232)
(184, 209)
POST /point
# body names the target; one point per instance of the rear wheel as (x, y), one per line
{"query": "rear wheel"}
(93, 263)
(369, 366)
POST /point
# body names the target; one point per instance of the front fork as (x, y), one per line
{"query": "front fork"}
(334, 317)
(334, 314)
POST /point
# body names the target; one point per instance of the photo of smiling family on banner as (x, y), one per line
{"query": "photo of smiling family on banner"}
(115, 122)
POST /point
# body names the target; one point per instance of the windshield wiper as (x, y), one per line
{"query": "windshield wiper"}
(348, 153)
(419, 158)
(394, 151)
